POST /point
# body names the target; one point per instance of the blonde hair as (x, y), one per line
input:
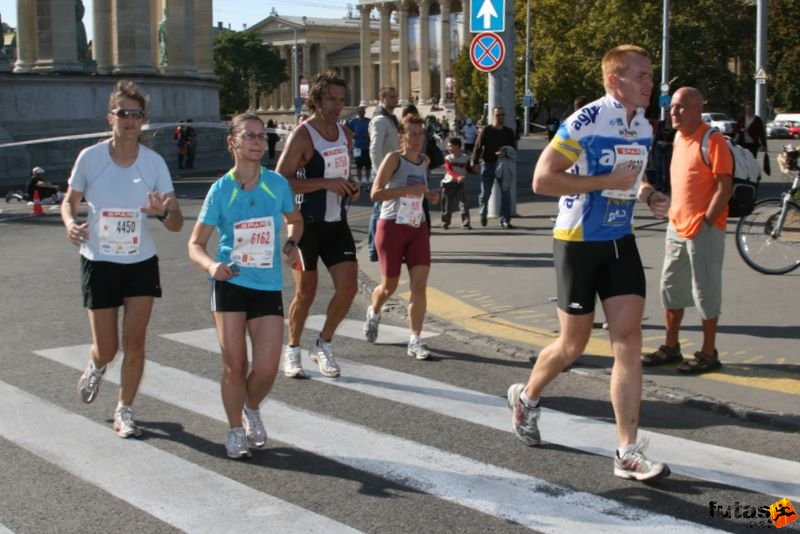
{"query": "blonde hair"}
(616, 60)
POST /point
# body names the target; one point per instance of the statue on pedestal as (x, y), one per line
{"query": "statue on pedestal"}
(80, 33)
(162, 40)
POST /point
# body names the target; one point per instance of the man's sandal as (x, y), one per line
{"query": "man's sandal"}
(702, 363)
(662, 356)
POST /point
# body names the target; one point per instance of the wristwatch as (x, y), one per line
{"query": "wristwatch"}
(163, 218)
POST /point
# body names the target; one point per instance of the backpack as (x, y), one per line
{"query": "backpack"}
(746, 176)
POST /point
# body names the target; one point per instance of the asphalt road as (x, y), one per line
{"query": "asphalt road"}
(394, 445)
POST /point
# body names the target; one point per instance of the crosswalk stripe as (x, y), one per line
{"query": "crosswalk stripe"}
(4, 530)
(756, 472)
(165, 486)
(495, 491)
(387, 334)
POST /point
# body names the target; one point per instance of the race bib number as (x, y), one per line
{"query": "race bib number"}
(120, 231)
(625, 154)
(337, 162)
(409, 211)
(253, 243)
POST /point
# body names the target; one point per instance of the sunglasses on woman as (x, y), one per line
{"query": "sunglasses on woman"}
(128, 113)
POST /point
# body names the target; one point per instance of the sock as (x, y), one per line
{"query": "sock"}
(527, 401)
(120, 405)
(251, 410)
(622, 451)
(414, 339)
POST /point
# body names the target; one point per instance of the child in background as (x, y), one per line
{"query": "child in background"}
(456, 165)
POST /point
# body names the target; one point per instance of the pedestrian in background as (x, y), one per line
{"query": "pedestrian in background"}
(750, 131)
(272, 139)
(487, 147)
(695, 238)
(383, 138)
(456, 168)
(248, 207)
(122, 182)
(360, 128)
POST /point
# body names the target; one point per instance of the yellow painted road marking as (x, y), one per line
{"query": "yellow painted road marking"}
(476, 320)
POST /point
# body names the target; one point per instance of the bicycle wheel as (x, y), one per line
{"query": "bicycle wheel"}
(756, 245)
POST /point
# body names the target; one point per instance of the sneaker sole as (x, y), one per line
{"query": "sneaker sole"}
(254, 445)
(418, 356)
(627, 475)
(244, 456)
(295, 374)
(511, 397)
(125, 435)
(329, 374)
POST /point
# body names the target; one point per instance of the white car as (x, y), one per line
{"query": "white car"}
(721, 122)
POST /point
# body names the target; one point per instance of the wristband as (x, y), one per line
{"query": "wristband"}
(163, 218)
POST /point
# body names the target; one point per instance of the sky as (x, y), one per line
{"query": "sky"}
(233, 12)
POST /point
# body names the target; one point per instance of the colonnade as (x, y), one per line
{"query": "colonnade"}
(403, 8)
(47, 39)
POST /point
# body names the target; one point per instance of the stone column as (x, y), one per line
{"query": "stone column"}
(27, 44)
(132, 47)
(424, 52)
(306, 60)
(180, 38)
(203, 39)
(465, 33)
(156, 12)
(444, 49)
(404, 73)
(323, 58)
(57, 46)
(286, 87)
(365, 42)
(386, 45)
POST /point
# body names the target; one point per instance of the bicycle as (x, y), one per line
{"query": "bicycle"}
(768, 239)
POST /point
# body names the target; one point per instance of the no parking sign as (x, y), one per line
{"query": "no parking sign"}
(487, 51)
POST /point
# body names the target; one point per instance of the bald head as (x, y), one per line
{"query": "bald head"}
(686, 109)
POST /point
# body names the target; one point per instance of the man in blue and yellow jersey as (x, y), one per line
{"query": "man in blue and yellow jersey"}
(595, 164)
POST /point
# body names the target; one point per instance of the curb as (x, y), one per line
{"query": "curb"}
(783, 421)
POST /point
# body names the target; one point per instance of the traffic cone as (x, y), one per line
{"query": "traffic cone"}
(37, 205)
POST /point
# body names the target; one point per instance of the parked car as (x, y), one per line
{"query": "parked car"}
(721, 122)
(794, 129)
(778, 130)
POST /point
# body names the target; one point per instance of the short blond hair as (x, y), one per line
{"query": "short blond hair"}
(616, 60)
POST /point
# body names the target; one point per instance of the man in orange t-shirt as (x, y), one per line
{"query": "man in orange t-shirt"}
(695, 241)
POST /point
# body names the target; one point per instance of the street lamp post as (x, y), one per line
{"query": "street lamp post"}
(296, 77)
(526, 128)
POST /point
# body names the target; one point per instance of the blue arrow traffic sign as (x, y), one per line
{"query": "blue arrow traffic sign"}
(487, 16)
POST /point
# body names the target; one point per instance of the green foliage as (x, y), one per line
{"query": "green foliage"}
(244, 64)
(472, 88)
(783, 53)
(712, 47)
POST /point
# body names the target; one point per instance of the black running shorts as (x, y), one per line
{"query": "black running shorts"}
(585, 269)
(330, 241)
(227, 297)
(106, 284)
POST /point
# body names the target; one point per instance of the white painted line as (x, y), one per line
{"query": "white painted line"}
(178, 492)
(499, 492)
(387, 334)
(739, 469)
(4, 530)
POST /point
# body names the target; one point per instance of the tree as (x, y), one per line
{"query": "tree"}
(783, 53)
(472, 88)
(244, 64)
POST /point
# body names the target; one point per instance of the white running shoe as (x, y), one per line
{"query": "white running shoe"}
(236, 445)
(292, 367)
(89, 382)
(323, 356)
(524, 420)
(634, 465)
(418, 349)
(123, 423)
(371, 325)
(254, 428)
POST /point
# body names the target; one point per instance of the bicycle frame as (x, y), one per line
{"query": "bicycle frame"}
(786, 197)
